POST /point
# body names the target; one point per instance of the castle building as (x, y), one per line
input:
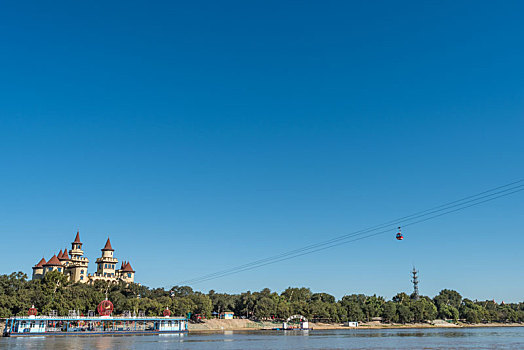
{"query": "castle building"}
(74, 265)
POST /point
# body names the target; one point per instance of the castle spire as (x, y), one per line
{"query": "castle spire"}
(108, 245)
(77, 238)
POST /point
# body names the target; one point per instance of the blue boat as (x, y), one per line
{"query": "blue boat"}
(102, 325)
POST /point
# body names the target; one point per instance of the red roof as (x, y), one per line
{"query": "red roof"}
(53, 262)
(41, 263)
(65, 256)
(77, 238)
(128, 268)
(59, 255)
(108, 245)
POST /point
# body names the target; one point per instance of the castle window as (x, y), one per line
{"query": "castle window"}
(105, 265)
(129, 274)
(59, 269)
(82, 271)
(81, 278)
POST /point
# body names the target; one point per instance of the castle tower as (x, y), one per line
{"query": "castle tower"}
(76, 246)
(38, 270)
(106, 265)
(77, 264)
(126, 272)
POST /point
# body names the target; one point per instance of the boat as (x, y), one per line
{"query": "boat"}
(105, 324)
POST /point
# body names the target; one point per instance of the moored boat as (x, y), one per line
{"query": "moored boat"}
(105, 324)
(43, 325)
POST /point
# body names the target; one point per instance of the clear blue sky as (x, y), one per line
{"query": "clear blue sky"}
(202, 136)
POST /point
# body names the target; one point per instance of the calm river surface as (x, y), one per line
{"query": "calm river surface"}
(465, 338)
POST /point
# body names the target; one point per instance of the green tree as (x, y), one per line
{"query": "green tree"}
(423, 309)
(389, 312)
(404, 313)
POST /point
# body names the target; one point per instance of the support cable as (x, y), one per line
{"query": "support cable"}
(443, 209)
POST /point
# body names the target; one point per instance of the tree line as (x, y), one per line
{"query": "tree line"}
(54, 292)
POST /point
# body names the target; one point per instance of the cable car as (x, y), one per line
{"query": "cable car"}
(399, 235)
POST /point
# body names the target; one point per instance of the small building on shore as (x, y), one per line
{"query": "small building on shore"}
(227, 315)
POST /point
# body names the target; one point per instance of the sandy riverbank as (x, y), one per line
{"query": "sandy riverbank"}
(215, 325)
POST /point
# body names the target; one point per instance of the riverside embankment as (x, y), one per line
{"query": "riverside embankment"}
(216, 325)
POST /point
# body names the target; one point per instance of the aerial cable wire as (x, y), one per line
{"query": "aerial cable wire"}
(413, 216)
(345, 242)
(260, 262)
(477, 199)
(399, 220)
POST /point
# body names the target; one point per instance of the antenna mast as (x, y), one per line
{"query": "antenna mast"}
(414, 280)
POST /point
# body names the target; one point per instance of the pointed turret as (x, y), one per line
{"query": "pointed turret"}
(76, 247)
(38, 270)
(77, 238)
(59, 255)
(65, 256)
(128, 268)
(108, 245)
(75, 262)
(41, 263)
(107, 263)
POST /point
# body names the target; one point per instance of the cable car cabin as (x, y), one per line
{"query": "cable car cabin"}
(399, 235)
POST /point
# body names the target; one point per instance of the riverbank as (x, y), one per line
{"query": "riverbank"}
(216, 325)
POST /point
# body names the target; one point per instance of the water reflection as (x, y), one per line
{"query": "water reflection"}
(485, 338)
(103, 343)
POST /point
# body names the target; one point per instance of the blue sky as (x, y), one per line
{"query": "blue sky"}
(206, 135)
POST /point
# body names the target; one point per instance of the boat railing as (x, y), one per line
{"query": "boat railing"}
(144, 318)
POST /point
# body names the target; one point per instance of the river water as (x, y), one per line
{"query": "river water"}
(442, 338)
